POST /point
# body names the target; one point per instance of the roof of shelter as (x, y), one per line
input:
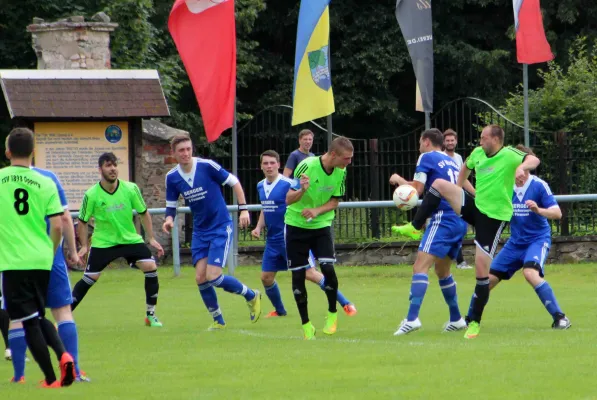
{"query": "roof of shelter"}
(83, 94)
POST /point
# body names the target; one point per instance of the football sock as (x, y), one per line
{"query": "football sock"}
(210, 299)
(18, 347)
(481, 299)
(548, 299)
(448, 287)
(428, 206)
(330, 284)
(273, 294)
(67, 330)
(39, 348)
(232, 285)
(51, 337)
(341, 299)
(152, 286)
(418, 287)
(81, 289)
(4, 324)
(300, 293)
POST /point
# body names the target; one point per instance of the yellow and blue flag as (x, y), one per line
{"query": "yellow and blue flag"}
(312, 93)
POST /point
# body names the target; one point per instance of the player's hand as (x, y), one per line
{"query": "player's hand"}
(304, 181)
(520, 175)
(167, 226)
(532, 206)
(309, 213)
(154, 243)
(244, 219)
(74, 259)
(395, 179)
(82, 253)
(256, 233)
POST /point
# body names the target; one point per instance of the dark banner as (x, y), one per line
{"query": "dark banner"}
(414, 18)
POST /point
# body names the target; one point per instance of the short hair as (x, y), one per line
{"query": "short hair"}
(178, 139)
(20, 142)
(269, 153)
(450, 132)
(107, 157)
(525, 149)
(341, 143)
(305, 132)
(435, 136)
(496, 131)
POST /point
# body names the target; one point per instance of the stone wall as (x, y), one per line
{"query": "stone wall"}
(72, 43)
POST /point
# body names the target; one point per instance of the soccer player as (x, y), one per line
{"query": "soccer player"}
(304, 151)
(529, 242)
(450, 142)
(442, 239)
(272, 194)
(111, 202)
(496, 167)
(27, 252)
(199, 181)
(319, 184)
(59, 297)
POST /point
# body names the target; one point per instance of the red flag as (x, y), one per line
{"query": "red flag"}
(531, 44)
(205, 35)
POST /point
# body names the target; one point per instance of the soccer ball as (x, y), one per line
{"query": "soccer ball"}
(406, 197)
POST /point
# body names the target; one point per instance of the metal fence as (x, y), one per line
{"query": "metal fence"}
(567, 164)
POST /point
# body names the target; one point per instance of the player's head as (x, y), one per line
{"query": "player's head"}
(19, 145)
(431, 139)
(450, 139)
(182, 149)
(306, 140)
(529, 151)
(341, 152)
(492, 139)
(270, 163)
(108, 167)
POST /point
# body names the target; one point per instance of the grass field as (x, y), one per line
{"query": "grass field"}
(517, 355)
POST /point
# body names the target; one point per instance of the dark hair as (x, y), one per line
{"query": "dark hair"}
(107, 157)
(450, 132)
(341, 143)
(435, 136)
(525, 149)
(496, 131)
(21, 142)
(269, 153)
(305, 132)
(178, 139)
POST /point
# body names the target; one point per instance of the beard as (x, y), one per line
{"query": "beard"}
(108, 179)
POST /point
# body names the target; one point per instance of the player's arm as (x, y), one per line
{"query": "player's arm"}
(68, 232)
(259, 227)
(300, 185)
(331, 204)
(172, 196)
(528, 163)
(463, 175)
(54, 212)
(546, 204)
(397, 180)
(290, 165)
(138, 203)
(244, 219)
(85, 214)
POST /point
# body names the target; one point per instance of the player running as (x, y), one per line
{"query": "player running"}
(529, 242)
(199, 181)
(111, 202)
(442, 239)
(272, 195)
(496, 168)
(319, 184)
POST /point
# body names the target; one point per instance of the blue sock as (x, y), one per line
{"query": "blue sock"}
(233, 285)
(18, 348)
(448, 287)
(273, 293)
(210, 299)
(548, 299)
(341, 299)
(418, 288)
(67, 330)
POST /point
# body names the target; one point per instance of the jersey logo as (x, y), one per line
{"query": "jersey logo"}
(217, 260)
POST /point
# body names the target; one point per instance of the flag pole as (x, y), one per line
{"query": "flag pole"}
(525, 84)
(233, 261)
(329, 126)
(427, 120)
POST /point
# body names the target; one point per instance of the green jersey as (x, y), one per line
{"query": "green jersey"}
(113, 213)
(322, 187)
(495, 178)
(26, 199)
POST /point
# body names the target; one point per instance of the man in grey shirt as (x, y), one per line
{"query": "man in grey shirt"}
(304, 151)
(450, 142)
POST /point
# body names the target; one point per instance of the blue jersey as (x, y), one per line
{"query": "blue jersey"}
(436, 165)
(61, 194)
(527, 227)
(273, 200)
(202, 192)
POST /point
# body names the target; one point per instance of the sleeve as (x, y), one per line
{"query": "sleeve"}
(422, 169)
(61, 194)
(301, 169)
(219, 174)
(546, 198)
(291, 162)
(53, 202)
(472, 158)
(86, 211)
(340, 190)
(172, 194)
(516, 157)
(137, 199)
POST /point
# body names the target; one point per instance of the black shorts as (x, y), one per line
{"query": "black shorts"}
(24, 293)
(487, 230)
(100, 258)
(300, 241)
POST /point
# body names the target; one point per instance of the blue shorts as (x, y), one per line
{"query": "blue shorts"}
(443, 236)
(513, 257)
(214, 245)
(274, 258)
(59, 292)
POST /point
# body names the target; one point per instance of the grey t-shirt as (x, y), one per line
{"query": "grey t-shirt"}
(295, 158)
(457, 159)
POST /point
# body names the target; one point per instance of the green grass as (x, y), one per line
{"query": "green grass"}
(517, 355)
